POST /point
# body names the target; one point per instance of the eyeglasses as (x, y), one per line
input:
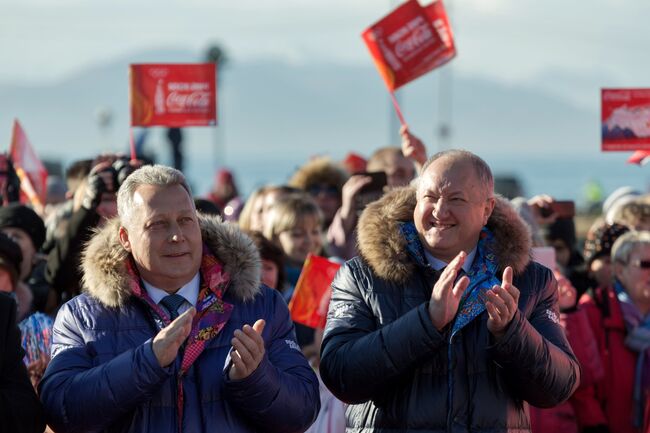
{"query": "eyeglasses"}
(641, 264)
(325, 189)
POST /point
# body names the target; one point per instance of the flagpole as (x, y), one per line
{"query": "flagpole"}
(398, 110)
(134, 154)
(393, 126)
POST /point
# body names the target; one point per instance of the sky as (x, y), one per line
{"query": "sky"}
(563, 49)
(570, 48)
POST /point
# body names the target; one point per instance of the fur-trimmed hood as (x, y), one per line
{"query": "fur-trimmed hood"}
(383, 247)
(105, 275)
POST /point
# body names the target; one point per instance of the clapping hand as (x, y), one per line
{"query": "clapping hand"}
(167, 342)
(248, 350)
(501, 303)
(446, 295)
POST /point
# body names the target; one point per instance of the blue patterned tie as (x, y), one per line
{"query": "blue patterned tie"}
(172, 303)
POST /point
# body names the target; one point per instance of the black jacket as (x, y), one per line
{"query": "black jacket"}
(382, 354)
(63, 261)
(20, 410)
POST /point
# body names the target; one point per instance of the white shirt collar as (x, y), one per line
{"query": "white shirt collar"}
(189, 291)
(438, 264)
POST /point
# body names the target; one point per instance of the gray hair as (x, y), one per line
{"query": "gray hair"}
(624, 245)
(158, 175)
(482, 170)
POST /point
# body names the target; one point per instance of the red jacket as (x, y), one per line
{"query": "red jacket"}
(608, 400)
(563, 418)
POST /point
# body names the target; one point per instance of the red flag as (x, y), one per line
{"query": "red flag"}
(641, 157)
(410, 41)
(625, 119)
(30, 169)
(313, 291)
(174, 95)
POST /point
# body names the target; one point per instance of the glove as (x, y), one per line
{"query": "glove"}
(123, 168)
(100, 180)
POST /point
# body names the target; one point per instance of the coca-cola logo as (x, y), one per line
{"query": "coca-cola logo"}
(416, 39)
(180, 101)
(188, 96)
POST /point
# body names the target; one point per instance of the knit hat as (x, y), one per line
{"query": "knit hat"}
(20, 216)
(600, 240)
(618, 198)
(10, 257)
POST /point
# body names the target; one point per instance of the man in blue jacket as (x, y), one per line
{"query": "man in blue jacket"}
(174, 332)
(443, 324)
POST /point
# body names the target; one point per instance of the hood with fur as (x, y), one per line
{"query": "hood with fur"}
(104, 261)
(383, 247)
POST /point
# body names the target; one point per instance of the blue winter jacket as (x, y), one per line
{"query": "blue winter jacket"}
(105, 377)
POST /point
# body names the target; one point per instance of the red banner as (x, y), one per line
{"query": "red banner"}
(410, 41)
(312, 294)
(174, 95)
(625, 119)
(30, 169)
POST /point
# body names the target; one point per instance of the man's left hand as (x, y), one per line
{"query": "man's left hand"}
(502, 304)
(248, 350)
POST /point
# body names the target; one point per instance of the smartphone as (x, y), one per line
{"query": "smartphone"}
(544, 256)
(377, 183)
(564, 208)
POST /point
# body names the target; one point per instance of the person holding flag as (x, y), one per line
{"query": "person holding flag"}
(444, 323)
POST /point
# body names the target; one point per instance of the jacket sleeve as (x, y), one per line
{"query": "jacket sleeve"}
(534, 354)
(358, 357)
(20, 410)
(281, 395)
(62, 270)
(80, 396)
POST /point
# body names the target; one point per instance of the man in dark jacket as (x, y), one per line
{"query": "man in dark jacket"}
(175, 333)
(20, 410)
(443, 324)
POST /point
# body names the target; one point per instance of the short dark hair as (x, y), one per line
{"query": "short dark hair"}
(79, 169)
(269, 251)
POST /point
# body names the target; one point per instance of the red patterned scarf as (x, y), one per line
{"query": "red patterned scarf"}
(212, 313)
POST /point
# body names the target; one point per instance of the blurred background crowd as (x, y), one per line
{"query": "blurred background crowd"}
(600, 257)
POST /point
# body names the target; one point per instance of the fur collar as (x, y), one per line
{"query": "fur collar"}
(104, 270)
(383, 248)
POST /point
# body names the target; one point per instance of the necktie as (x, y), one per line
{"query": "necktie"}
(172, 303)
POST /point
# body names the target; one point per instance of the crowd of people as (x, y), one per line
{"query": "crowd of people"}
(132, 305)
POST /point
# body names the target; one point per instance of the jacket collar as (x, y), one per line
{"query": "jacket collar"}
(105, 276)
(384, 248)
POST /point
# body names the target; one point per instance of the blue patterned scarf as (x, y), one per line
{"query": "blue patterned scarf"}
(482, 274)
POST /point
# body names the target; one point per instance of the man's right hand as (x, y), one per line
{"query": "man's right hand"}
(413, 148)
(167, 342)
(351, 189)
(446, 295)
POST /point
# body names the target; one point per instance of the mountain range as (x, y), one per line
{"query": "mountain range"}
(273, 115)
